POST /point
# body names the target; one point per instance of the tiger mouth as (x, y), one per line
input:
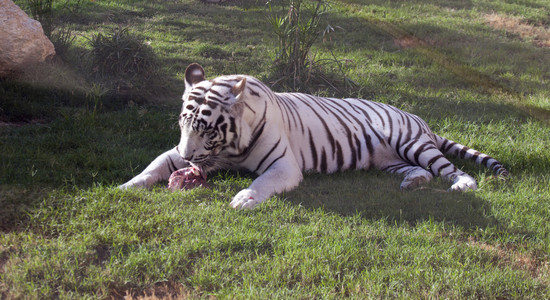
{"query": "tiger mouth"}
(200, 160)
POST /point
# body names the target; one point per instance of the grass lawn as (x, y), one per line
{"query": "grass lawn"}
(477, 71)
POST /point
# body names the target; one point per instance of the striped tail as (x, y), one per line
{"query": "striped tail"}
(452, 148)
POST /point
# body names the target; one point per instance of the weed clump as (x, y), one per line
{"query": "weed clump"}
(53, 15)
(121, 53)
(42, 11)
(296, 30)
(124, 62)
(297, 27)
(211, 51)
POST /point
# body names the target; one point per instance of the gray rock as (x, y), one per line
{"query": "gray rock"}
(22, 40)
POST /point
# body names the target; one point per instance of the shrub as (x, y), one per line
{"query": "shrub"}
(53, 15)
(211, 51)
(122, 53)
(297, 28)
(123, 60)
(42, 11)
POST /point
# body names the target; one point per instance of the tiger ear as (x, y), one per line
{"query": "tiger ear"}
(238, 89)
(193, 75)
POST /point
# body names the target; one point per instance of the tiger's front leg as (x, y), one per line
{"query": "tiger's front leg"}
(158, 170)
(282, 176)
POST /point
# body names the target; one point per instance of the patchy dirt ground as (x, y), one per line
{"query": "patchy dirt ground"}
(539, 34)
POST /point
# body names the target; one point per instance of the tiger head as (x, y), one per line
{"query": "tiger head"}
(211, 120)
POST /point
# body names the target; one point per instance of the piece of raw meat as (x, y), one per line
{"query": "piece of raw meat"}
(187, 178)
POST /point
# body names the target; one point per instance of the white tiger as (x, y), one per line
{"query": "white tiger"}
(238, 122)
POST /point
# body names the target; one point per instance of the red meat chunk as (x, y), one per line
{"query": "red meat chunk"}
(187, 178)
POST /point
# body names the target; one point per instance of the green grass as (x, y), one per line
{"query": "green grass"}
(67, 232)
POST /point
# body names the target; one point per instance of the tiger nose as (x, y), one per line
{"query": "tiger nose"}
(185, 156)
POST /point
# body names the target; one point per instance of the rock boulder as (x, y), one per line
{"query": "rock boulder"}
(22, 40)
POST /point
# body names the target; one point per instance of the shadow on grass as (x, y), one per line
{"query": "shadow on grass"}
(16, 203)
(376, 195)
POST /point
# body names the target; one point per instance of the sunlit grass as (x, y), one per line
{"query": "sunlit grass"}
(67, 232)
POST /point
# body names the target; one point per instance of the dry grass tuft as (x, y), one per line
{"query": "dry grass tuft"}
(540, 35)
(166, 290)
(509, 255)
(409, 41)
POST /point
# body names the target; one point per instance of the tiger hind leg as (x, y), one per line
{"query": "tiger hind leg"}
(420, 160)
(414, 175)
(432, 159)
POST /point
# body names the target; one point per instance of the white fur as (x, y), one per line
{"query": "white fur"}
(298, 133)
(464, 183)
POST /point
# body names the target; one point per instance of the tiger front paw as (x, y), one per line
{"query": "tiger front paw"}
(140, 181)
(245, 199)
